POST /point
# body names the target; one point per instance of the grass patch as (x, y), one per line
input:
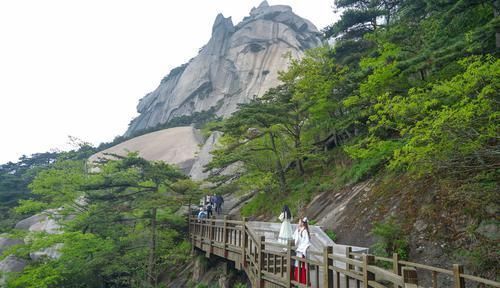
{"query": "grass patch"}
(331, 234)
(300, 193)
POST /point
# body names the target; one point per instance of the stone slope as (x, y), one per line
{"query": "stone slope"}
(177, 146)
(237, 64)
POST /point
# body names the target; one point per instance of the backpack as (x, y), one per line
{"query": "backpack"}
(202, 215)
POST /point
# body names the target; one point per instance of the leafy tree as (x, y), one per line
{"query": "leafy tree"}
(452, 125)
(361, 17)
(390, 239)
(253, 129)
(128, 204)
(14, 181)
(409, 87)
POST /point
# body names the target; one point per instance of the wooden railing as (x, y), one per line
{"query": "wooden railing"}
(269, 264)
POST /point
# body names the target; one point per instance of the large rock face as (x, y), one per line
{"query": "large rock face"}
(204, 157)
(6, 242)
(176, 146)
(238, 63)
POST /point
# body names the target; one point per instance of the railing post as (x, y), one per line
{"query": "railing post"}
(192, 232)
(224, 236)
(434, 279)
(327, 262)
(396, 267)
(244, 244)
(348, 267)
(209, 232)
(260, 261)
(367, 275)
(459, 281)
(410, 277)
(288, 264)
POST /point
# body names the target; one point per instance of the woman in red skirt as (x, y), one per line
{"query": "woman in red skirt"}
(302, 242)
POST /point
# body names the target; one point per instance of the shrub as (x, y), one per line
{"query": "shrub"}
(390, 239)
(240, 285)
(331, 234)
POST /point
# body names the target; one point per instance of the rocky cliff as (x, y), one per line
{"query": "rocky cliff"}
(238, 63)
(177, 146)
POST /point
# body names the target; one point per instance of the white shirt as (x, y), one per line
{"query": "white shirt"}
(302, 241)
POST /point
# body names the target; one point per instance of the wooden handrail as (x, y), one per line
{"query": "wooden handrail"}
(426, 267)
(387, 275)
(267, 262)
(480, 280)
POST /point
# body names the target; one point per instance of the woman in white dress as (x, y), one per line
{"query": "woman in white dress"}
(286, 228)
(302, 239)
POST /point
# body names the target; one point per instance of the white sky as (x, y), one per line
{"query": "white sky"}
(79, 68)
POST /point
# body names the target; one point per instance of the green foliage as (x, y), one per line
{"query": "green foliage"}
(480, 257)
(81, 256)
(360, 17)
(370, 157)
(269, 203)
(124, 232)
(258, 205)
(390, 239)
(409, 86)
(16, 177)
(452, 123)
(331, 234)
(252, 136)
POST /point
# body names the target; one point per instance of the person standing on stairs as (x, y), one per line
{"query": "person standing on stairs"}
(218, 204)
(212, 200)
(286, 228)
(209, 210)
(302, 239)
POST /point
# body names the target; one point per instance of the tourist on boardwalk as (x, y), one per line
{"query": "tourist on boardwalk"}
(209, 210)
(202, 214)
(302, 239)
(218, 203)
(286, 228)
(212, 200)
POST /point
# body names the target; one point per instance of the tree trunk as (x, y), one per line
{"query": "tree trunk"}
(298, 144)
(300, 166)
(152, 250)
(279, 166)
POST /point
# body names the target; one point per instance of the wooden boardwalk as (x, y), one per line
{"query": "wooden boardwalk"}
(268, 263)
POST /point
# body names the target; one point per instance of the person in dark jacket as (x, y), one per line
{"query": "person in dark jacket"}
(218, 203)
(209, 210)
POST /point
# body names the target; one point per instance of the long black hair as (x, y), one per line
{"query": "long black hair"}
(286, 210)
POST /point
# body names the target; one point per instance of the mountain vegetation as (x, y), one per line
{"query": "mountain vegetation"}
(407, 94)
(408, 91)
(15, 178)
(118, 228)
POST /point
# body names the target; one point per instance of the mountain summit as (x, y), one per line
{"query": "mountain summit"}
(238, 63)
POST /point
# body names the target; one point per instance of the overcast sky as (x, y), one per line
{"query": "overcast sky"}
(79, 68)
